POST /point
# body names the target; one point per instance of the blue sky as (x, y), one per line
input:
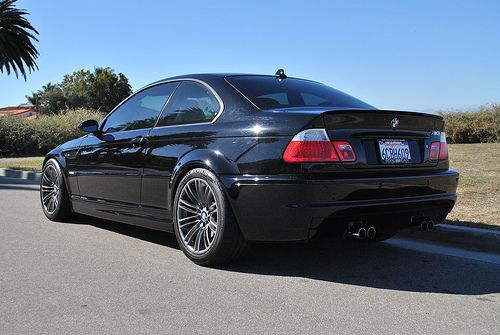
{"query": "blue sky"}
(411, 55)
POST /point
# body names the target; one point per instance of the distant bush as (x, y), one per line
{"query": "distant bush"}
(26, 137)
(481, 126)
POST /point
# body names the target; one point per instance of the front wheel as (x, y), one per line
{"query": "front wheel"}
(204, 224)
(53, 193)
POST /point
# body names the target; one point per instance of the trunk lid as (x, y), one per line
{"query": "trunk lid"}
(376, 134)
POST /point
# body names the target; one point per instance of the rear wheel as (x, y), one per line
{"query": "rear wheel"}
(204, 224)
(53, 193)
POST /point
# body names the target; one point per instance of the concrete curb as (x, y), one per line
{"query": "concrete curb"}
(468, 238)
(19, 174)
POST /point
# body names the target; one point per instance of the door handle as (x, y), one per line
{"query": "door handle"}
(138, 141)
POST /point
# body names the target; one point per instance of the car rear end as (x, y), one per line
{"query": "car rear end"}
(359, 168)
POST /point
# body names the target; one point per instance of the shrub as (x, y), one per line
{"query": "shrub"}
(24, 137)
(478, 126)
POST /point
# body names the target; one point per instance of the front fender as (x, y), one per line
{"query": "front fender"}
(62, 154)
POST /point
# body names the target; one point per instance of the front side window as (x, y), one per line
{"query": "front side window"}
(191, 103)
(141, 110)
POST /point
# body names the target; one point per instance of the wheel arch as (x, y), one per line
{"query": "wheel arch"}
(213, 161)
(61, 161)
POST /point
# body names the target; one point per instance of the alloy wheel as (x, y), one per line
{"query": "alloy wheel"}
(50, 189)
(197, 216)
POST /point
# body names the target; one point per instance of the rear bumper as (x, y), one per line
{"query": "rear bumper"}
(292, 207)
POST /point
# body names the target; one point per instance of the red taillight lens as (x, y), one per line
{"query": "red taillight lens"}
(439, 150)
(434, 152)
(345, 151)
(313, 145)
(310, 151)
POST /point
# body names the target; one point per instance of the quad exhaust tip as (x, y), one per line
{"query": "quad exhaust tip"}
(427, 225)
(371, 232)
(430, 224)
(360, 234)
(363, 233)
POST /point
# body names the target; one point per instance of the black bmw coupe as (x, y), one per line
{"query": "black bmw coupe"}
(226, 159)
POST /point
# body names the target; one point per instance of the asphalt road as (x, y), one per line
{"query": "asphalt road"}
(97, 277)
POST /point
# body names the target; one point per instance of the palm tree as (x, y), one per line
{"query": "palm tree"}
(17, 52)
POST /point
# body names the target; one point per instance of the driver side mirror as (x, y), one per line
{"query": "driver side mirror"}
(89, 126)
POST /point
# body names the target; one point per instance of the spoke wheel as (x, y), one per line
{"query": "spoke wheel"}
(54, 197)
(50, 189)
(204, 224)
(197, 216)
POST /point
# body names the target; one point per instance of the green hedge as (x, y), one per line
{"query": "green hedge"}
(34, 137)
(481, 126)
(20, 136)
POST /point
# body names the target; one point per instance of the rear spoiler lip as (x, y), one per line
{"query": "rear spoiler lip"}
(323, 110)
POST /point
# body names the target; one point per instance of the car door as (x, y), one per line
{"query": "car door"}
(110, 163)
(184, 125)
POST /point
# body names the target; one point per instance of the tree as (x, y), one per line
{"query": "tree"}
(17, 52)
(77, 88)
(107, 89)
(101, 90)
(49, 100)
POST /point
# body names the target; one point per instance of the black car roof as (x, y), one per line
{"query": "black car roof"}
(202, 76)
(211, 76)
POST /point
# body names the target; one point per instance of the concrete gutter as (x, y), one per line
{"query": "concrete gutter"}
(19, 174)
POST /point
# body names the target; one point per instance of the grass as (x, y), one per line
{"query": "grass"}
(478, 189)
(26, 164)
(479, 186)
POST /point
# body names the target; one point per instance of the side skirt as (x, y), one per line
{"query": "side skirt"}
(147, 217)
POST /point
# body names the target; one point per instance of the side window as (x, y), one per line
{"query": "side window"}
(141, 110)
(191, 103)
(273, 100)
(313, 100)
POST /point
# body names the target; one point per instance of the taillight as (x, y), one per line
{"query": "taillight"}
(313, 145)
(439, 150)
(345, 151)
(443, 151)
(434, 153)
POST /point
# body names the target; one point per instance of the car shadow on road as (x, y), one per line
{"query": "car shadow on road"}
(148, 235)
(377, 265)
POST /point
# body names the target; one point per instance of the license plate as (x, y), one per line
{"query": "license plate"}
(394, 151)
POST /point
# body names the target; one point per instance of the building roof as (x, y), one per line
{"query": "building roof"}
(18, 110)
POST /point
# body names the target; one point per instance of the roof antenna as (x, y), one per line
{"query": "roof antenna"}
(281, 74)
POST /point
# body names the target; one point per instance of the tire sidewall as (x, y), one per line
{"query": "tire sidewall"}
(55, 214)
(220, 199)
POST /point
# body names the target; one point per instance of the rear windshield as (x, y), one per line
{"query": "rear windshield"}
(268, 92)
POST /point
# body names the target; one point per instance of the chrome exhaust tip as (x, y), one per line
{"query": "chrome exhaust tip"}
(371, 232)
(430, 224)
(360, 234)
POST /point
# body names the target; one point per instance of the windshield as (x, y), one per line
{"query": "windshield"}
(269, 92)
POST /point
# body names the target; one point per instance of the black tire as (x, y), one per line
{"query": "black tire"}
(52, 179)
(227, 242)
